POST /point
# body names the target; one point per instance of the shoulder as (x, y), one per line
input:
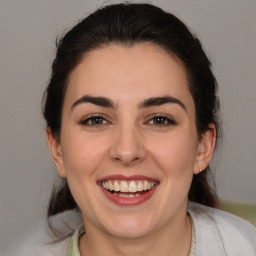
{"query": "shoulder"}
(39, 240)
(39, 244)
(221, 232)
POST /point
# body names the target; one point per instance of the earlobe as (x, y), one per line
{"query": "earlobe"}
(56, 152)
(205, 149)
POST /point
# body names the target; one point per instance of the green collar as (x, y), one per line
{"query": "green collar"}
(73, 248)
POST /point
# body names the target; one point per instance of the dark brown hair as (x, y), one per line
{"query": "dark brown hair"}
(129, 24)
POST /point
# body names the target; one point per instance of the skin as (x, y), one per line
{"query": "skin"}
(129, 141)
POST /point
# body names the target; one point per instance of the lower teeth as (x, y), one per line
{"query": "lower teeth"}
(126, 195)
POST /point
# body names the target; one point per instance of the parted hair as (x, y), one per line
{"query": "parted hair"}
(129, 24)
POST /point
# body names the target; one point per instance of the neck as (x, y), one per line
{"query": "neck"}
(172, 240)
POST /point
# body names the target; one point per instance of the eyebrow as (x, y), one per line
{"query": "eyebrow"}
(99, 101)
(157, 101)
(151, 102)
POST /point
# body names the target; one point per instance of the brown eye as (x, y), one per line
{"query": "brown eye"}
(161, 120)
(94, 120)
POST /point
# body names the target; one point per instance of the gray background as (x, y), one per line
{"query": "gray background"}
(28, 30)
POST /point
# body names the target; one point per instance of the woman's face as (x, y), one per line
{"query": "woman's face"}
(128, 125)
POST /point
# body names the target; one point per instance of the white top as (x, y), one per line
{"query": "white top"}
(220, 233)
(217, 233)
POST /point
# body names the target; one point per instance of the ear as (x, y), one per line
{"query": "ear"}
(54, 146)
(205, 149)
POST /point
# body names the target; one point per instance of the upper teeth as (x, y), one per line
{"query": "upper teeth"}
(128, 186)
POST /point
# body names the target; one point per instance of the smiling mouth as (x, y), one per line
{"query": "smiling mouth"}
(128, 189)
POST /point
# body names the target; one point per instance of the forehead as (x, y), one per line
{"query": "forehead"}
(129, 73)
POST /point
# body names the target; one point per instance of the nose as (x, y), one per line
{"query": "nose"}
(127, 147)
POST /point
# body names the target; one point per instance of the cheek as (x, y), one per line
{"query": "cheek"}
(83, 154)
(176, 154)
(175, 158)
(82, 160)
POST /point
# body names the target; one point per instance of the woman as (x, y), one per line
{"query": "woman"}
(132, 124)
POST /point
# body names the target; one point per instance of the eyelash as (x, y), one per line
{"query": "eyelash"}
(161, 118)
(93, 119)
(158, 120)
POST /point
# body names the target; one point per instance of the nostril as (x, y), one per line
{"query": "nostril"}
(127, 160)
(135, 159)
(127, 150)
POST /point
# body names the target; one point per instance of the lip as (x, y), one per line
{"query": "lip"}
(131, 201)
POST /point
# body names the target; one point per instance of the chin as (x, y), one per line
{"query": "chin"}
(130, 228)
